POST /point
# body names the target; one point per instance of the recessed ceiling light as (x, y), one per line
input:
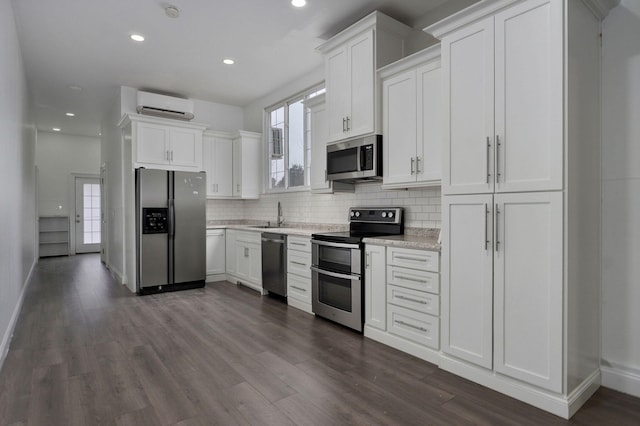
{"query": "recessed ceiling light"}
(299, 3)
(75, 87)
(70, 114)
(56, 129)
(137, 37)
(229, 61)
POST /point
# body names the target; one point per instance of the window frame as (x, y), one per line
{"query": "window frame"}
(286, 103)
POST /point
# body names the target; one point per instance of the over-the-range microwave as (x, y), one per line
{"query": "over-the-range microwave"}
(355, 160)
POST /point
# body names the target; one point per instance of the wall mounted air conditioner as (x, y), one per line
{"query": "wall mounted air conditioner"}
(164, 106)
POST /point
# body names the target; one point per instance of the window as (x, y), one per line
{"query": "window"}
(289, 149)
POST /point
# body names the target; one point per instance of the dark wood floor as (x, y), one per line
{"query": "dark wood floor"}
(87, 352)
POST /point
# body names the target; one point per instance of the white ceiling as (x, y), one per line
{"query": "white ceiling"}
(86, 43)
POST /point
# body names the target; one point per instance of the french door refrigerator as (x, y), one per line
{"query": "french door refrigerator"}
(170, 230)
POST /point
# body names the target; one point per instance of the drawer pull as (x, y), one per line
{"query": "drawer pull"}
(297, 244)
(401, 277)
(297, 263)
(299, 288)
(414, 259)
(411, 326)
(422, 302)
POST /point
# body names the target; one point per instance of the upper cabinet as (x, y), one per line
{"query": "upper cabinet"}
(503, 80)
(247, 164)
(217, 162)
(412, 120)
(351, 58)
(165, 144)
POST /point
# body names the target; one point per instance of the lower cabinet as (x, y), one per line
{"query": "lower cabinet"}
(299, 272)
(216, 264)
(402, 302)
(244, 258)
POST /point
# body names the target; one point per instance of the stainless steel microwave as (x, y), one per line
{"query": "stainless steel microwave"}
(355, 160)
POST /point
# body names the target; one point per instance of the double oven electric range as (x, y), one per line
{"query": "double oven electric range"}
(337, 268)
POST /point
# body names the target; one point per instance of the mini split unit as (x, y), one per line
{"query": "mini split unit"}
(164, 106)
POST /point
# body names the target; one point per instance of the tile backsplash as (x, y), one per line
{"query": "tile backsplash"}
(422, 206)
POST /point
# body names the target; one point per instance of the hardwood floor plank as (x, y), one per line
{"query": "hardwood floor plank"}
(256, 409)
(49, 400)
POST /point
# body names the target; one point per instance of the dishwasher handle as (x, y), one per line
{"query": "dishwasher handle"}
(270, 240)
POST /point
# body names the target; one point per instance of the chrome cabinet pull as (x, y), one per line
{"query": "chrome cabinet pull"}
(299, 288)
(486, 226)
(497, 227)
(297, 244)
(412, 161)
(411, 326)
(344, 124)
(415, 280)
(298, 263)
(418, 171)
(415, 259)
(488, 159)
(498, 145)
(422, 302)
(348, 123)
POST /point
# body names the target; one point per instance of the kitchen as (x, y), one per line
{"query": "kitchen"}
(318, 211)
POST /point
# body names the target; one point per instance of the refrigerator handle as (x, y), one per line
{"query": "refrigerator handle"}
(172, 218)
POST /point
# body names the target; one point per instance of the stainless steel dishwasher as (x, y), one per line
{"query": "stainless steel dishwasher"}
(274, 263)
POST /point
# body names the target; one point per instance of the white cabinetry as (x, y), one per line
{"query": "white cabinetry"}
(319, 137)
(402, 303)
(248, 259)
(299, 272)
(215, 254)
(217, 162)
(375, 292)
(247, 164)
(230, 252)
(521, 264)
(351, 59)
(412, 120)
(53, 236)
(166, 144)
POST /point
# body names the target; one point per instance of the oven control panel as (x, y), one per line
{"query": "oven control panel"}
(376, 214)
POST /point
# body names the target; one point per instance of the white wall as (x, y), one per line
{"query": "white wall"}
(621, 198)
(57, 157)
(17, 174)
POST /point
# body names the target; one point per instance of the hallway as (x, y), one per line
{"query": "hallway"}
(86, 351)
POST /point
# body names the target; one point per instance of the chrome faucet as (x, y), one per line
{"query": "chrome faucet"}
(280, 220)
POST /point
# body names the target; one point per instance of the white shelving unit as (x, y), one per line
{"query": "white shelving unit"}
(54, 236)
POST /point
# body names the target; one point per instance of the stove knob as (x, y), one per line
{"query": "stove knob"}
(353, 214)
(390, 214)
(357, 214)
(384, 214)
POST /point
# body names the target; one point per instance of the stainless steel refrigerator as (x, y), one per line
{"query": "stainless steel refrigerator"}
(170, 230)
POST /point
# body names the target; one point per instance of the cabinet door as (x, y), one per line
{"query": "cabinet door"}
(251, 167)
(230, 251)
(319, 138)
(255, 263)
(360, 117)
(237, 168)
(223, 166)
(529, 97)
(399, 117)
(375, 293)
(243, 265)
(467, 278)
(186, 147)
(152, 144)
(337, 83)
(429, 123)
(467, 72)
(528, 288)
(207, 164)
(215, 252)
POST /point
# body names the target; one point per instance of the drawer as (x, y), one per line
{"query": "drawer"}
(419, 301)
(299, 288)
(415, 259)
(299, 243)
(249, 237)
(299, 263)
(414, 279)
(417, 327)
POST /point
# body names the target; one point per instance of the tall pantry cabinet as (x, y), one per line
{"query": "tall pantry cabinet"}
(520, 296)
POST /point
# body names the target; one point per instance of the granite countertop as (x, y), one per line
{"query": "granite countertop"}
(301, 229)
(414, 238)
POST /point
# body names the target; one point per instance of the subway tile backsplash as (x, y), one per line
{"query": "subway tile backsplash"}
(422, 206)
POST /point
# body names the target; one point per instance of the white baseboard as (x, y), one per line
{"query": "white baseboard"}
(6, 339)
(419, 351)
(306, 307)
(216, 277)
(621, 380)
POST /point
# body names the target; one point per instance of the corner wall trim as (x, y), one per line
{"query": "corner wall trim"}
(621, 380)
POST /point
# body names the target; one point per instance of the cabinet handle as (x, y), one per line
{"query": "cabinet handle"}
(422, 302)
(246, 252)
(344, 124)
(486, 226)
(488, 159)
(418, 171)
(299, 288)
(366, 259)
(348, 123)
(166, 155)
(411, 326)
(298, 263)
(297, 244)
(415, 280)
(412, 161)
(497, 227)
(415, 259)
(498, 145)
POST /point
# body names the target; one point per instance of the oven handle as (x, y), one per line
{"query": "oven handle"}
(338, 245)
(335, 274)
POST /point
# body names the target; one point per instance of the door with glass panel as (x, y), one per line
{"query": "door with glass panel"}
(87, 216)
